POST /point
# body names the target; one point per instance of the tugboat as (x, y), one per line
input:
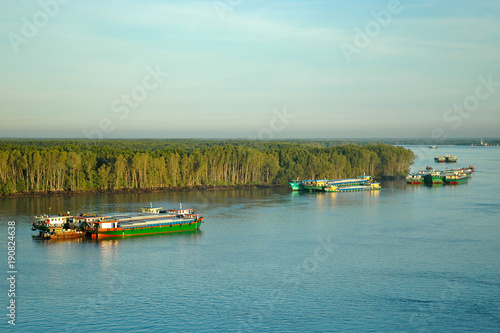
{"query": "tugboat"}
(60, 226)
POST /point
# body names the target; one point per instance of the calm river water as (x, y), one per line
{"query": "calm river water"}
(405, 259)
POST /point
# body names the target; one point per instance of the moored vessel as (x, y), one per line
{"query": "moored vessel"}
(446, 159)
(455, 179)
(368, 187)
(60, 226)
(359, 180)
(415, 178)
(434, 177)
(314, 185)
(158, 222)
(297, 185)
(450, 159)
(467, 170)
(59, 233)
(151, 220)
(321, 184)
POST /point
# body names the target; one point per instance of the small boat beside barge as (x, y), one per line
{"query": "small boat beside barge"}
(60, 226)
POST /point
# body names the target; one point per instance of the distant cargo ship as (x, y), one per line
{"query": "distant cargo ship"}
(450, 159)
(446, 158)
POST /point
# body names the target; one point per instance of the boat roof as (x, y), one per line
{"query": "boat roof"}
(168, 218)
(45, 216)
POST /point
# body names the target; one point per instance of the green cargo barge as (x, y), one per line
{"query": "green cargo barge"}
(176, 220)
(433, 178)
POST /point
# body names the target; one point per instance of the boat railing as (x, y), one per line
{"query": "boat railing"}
(192, 215)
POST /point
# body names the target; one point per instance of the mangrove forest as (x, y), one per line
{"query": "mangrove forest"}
(42, 166)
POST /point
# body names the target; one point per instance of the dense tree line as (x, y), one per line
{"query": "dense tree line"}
(192, 144)
(72, 165)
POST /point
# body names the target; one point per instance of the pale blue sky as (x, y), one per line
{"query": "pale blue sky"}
(229, 72)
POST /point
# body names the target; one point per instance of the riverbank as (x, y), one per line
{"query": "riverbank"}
(384, 178)
(136, 190)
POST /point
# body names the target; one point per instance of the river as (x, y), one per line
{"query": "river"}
(408, 258)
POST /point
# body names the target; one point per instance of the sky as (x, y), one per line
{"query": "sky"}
(249, 69)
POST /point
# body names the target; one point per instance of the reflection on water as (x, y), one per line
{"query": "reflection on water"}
(126, 202)
(53, 242)
(193, 235)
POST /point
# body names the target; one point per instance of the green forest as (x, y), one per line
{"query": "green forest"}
(40, 166)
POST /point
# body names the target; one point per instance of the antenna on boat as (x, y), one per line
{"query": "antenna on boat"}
(150, 204)
(180, 205)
